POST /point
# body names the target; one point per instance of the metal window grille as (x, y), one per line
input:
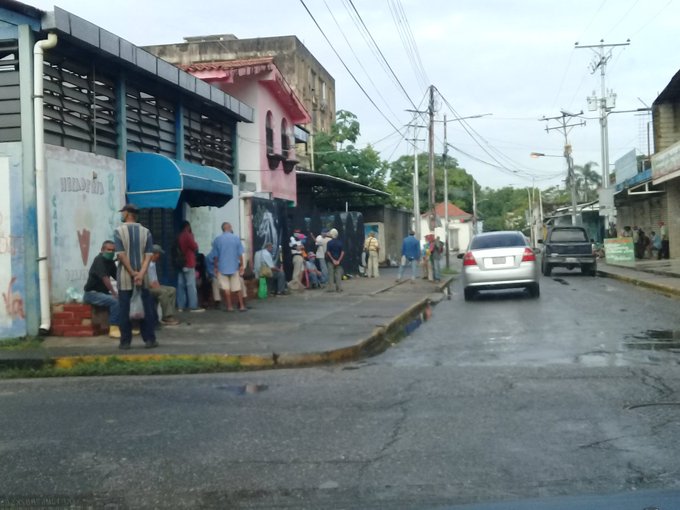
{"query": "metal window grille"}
(150, 122)
(10, 104)
(208, 140)
(80, 106)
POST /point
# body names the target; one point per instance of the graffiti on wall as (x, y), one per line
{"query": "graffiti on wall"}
(87, 192)
(268, 225)
(14, 302)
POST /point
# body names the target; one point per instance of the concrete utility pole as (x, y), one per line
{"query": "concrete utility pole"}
(446, 196)
(607, 100)
(566, 128)
(416, 184)
(431, 188)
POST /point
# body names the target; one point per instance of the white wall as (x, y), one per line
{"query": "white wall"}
(206, 222)
(85, 193)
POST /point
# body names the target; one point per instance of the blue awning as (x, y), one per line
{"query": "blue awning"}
(154, 180)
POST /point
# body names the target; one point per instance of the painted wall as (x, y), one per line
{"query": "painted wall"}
(85, 192)
(206, 222)
(12, 281)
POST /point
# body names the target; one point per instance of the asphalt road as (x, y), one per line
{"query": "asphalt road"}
(499, 399)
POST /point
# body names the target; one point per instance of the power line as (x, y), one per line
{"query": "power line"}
(381, 53)
(408, 41)
(412, 39)
(347, 68)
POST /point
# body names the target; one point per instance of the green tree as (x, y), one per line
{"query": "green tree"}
(400, 184)
(503, 209)
(335, 154)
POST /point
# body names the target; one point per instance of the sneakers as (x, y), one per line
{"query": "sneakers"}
(170, 321)
(114, 331)
(124, 347)
(151, 345)
(197, 310)
(136, 331)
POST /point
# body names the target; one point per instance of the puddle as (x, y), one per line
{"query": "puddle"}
(243, 389)
(654, 340)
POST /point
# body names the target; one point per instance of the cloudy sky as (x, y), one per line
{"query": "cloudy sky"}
(513, 59)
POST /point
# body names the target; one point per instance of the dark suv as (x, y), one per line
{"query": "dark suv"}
(568, 247)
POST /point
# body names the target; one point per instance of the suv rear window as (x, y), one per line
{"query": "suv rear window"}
(497, 241)
(572, 235)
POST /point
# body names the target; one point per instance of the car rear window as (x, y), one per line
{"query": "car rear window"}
(497, 241)
(568, 236)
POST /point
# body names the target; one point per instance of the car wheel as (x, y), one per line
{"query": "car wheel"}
(593, 269)
(534, 290)
(547, 269)
(469, 294)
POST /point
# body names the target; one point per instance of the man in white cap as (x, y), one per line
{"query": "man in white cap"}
(334, 254)
(163, 294)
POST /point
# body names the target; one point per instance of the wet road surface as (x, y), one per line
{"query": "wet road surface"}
(502, 398)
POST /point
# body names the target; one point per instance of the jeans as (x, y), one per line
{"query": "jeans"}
(148, 323)
(187, 295)
(100, 299)
(437, 269)
(406, 262)
(323, 267)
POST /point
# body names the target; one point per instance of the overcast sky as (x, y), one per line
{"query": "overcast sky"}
(513, 59)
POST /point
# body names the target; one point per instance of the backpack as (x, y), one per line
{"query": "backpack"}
(178, 258)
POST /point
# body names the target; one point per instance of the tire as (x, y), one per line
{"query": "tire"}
(468, 294)
(592, 269)
(547, 269)
(534, 290)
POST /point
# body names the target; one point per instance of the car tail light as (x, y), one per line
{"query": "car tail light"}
(469, 259)
(529, 255)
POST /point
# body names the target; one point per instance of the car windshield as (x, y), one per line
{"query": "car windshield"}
(504, 240)
(571, 235)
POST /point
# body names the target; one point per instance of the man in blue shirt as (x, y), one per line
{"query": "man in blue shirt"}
(229, 265)
(335, 253)
(410, 254)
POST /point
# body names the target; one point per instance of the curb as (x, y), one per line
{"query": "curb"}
(380, 339)
(664, 289)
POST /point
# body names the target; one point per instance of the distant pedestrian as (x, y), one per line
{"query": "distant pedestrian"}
(321, 241)
(134, 248)
(229, 265)
(437, 249)
(656, 246)
(372, 249)
(187, 293)
(663, 232)
(335, 252)
(99, 289)
(164, 294)
(316, 278)
(410, 255)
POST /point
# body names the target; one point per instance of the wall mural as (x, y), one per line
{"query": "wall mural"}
(269, 226)
(87, 192)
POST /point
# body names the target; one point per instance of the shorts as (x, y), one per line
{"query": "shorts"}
(230, 282)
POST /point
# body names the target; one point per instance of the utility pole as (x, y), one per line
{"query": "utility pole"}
(446, 196)
(566, 128)
(431, 188)
(416, 184)
(607, 100)
(474, 208)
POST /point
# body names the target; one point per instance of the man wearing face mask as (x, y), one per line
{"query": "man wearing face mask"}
(99, 290)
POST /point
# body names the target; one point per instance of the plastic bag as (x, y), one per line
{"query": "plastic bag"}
(136, 304)
(74, 295)
(262, 289)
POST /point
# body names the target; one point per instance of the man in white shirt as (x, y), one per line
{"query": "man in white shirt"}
(321, 242)
(278, 278)
(163, 294)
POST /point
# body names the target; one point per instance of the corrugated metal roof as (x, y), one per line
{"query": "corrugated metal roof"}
(671, 92)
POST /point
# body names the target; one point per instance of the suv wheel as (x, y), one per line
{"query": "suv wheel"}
(547, 269)
(468, 294)
(534, 290)
(590, 269)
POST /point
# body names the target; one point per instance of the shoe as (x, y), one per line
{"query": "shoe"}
(124, 347)
(114, 331)
(181, 310)
(136, 331)
(170, 321)
(150, 345)
(197, 310)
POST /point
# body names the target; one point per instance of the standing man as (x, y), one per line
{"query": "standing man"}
(187, 294)
(321, 242)
(229, 265)
(99, 290)
(164, 294)
(437, 250)
(663, 232)
(335, 253)
(410, 255)
(134, 248)
(372, 249)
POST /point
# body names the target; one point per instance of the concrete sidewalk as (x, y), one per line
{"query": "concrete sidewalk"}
(660, 275)
(307, 327)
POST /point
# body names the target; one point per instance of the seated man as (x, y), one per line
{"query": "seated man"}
(99, 290)
(163, 294)
(278, 277)
(316, 277)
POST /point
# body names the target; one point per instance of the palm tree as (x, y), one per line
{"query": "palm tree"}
(588, 180)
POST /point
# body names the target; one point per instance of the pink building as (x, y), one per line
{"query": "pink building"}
(266, 148)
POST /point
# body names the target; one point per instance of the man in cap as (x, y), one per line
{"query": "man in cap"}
(321, 241)
(99, 291)
(335, 252)
(372, 249)
(134, 247)
(165, 295)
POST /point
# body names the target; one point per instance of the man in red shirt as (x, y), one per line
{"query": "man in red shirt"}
(187, 296)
